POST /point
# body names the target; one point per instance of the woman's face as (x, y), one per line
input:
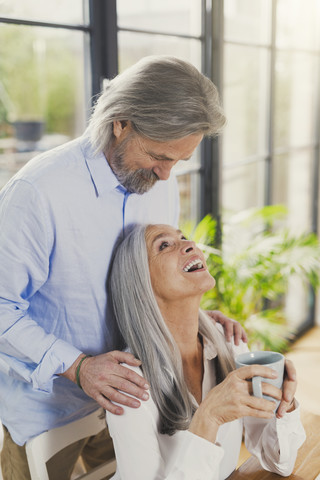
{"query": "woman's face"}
(177, 266)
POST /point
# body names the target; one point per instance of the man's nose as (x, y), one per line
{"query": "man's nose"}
(163, 171)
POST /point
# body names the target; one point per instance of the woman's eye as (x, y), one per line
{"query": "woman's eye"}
(163, 245)
(183, 237)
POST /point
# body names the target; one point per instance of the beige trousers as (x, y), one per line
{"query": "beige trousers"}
(93, 451)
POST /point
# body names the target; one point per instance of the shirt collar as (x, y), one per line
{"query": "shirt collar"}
(209, 350)
(102, 176)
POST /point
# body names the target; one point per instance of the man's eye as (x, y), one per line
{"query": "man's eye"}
(163, 245)
(183, 237)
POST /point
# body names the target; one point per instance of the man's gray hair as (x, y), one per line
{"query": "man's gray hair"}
(164, 98)
(146, 334)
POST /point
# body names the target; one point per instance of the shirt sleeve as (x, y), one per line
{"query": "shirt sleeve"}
(27, 352)
(275, 442)
(139, 455)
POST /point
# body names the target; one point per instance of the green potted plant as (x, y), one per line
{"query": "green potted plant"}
(253, 270)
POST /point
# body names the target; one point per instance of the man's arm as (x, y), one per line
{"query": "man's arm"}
(27, 351)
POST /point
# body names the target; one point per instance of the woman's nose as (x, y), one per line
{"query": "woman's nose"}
(188, 246)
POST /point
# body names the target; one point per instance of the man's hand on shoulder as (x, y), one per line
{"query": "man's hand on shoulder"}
(231, 328)
(103, 378)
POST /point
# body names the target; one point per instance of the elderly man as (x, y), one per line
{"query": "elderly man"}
(59, 219)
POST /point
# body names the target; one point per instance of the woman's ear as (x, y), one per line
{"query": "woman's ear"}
(120, 128)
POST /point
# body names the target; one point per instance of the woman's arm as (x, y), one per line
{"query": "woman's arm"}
(275, 442)
(141, 452)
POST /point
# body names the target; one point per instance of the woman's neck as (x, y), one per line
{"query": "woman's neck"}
(182, 319)
(183, 322)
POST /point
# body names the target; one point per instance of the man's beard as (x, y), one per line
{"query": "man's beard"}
(135, 181)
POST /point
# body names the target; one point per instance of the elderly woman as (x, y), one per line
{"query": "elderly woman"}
(191, 427)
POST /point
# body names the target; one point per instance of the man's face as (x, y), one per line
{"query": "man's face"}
(138, 162)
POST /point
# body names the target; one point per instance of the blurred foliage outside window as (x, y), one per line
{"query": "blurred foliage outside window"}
(41, 78)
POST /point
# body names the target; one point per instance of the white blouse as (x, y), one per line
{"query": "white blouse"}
(143, 453)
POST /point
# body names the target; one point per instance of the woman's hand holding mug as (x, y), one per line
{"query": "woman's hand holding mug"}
(255, 388)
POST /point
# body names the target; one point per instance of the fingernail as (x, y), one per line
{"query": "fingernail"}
(274, 374)
(119, 411)
(146, 386)
(145, 396)
(136, 404)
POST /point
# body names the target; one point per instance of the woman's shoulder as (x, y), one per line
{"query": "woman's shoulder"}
(135, 369)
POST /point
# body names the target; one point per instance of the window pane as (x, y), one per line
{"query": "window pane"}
(298, 24)
(55, 11)
(243, 187)
(245, 100)
(189, 197)
(297, 303)
(42, 91)
(292, 186)
(133, 46)
(296, 99)
(248, 20)
(180, 16)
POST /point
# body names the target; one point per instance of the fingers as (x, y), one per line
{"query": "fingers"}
(110, 397)
(239, 333)
(244, 336)
(125, 357)
(250, 371)
(106, 380)
(284, 396)
(289, 389)
(271, 391)
(290, 371)
(259, 407)
(232, 328)
(124, 383)
(121, 372)
(109, 406)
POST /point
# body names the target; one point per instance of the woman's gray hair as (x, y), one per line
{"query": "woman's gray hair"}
(147, 336)
(164, 98)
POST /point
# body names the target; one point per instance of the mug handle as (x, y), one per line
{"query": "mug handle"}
(256, 387)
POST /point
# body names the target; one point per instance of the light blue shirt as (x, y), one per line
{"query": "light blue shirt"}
(59, 219)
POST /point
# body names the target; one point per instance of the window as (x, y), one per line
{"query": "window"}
(44, 80)
(263, 55)
(271, 97)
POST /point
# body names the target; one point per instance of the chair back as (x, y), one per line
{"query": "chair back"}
(41, 448)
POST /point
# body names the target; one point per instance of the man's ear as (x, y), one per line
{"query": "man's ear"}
(120, 128)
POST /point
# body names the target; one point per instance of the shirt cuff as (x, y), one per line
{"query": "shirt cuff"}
(290, 417)
(56, 360)
(195, 452)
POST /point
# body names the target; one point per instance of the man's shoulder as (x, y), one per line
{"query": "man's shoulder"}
(55, 163)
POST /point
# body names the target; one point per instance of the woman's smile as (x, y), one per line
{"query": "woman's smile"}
(194, 265)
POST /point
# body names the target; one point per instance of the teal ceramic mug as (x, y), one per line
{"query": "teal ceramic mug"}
(272, 360)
